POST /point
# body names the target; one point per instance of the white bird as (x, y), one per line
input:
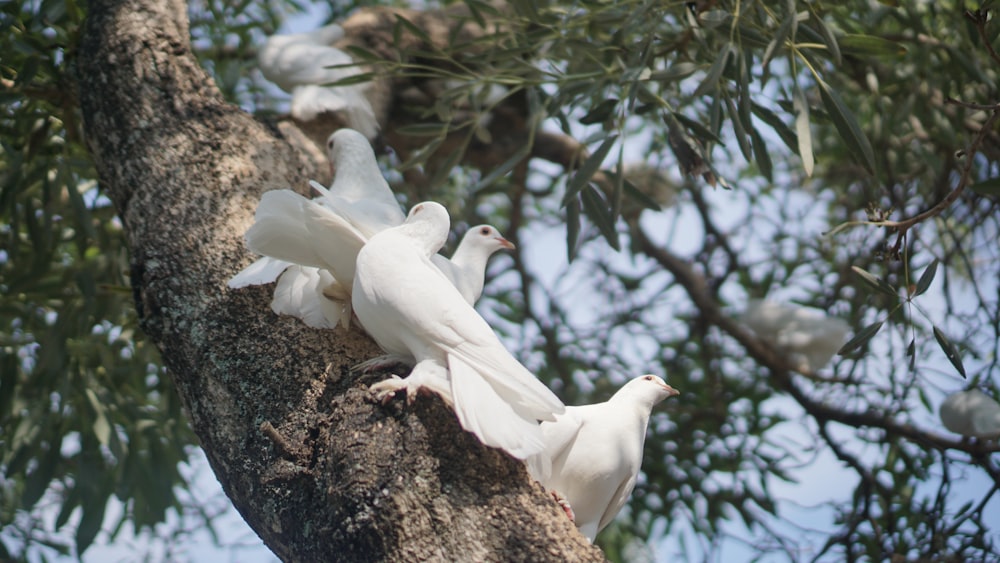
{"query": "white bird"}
(971, 413)
(593, 452)
(300, 64)
(411, 309)
(808, 335)
(290, 229)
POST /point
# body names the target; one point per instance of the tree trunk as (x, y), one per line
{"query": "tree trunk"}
(314, 466)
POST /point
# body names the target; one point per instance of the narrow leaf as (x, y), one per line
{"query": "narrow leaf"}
(714, 73)
(588, 168)
(848, 127)
(829, 39)
(911, 351)
(949, 351)
(504, 168)
(786, 31)
(787, 135)
(926, 278)
(597, 211)
(572, 227)
(863, 336)
(640, 197)
(989, 187)
(875, 282)
(870, 46)
(802, 131)
(601, 112)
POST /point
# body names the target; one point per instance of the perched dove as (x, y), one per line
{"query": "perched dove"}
(593, 452)
(808, 335)
(971, 413)
(411, 309)
(290, 229)
(300, 65)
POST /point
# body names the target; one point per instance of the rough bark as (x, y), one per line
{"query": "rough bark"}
(312, 464)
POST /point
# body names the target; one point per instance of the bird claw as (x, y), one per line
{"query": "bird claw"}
(564, 504)
(385, 391)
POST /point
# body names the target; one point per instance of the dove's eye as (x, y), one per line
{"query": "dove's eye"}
(485, 231)
(417, 209)
(648, 378)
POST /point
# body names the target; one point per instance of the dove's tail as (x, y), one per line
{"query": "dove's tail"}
(484, 413)
(309, 101)
(263, 271)
(280, 231)
(300, 293)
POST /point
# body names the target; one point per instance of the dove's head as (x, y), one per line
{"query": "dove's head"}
(349, 147)
(647, 389)
(483, 240)
(427, 224)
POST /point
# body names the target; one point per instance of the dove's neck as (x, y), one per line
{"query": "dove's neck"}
(470, 262)
(426, 236)
(357, 173)
(635, 406)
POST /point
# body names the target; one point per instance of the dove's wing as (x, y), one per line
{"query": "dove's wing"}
(279, 229)
(482, 412)
(429, 317)
(558, 436)
(300, 58)
(264, 270)
(616, 502)
(310, 100)
(334, 240)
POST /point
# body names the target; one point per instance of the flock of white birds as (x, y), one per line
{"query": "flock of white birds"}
(349, 256)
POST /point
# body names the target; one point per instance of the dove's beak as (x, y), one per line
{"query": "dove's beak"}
(504, 243)
(671, 392)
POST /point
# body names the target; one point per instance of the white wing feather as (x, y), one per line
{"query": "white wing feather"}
(264, 270)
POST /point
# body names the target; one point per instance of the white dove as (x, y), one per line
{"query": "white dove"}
(411, 309)
(808, 335)
(971, 413)
(300, 65)
(289, 230)
(593, 452)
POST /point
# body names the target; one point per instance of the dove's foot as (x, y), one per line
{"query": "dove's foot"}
(384, 391)
(380, 363)
(564, 504)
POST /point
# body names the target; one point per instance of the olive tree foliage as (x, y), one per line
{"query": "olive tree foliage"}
(837, 155)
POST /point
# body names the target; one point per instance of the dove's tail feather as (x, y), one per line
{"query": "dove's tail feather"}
(300, 293)
(512, 381)
(264, 270)
(335, 241)
(310, 100)
(491, 418)
(279, 229)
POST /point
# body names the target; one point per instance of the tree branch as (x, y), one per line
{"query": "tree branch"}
(699, 292)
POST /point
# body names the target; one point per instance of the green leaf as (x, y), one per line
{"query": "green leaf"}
(414, 29)
(829, 39)
(785, 31)
(989, 187)
(848, 127)
(572, 227)
(911, 351)
(802, 131)
(424, 130)
(950, 351)
(863, 336)
(769, 117)
(674, 72)
(504, 168)
(926, 278)
(875, 282)
(870, 46)
(761, 155)
(640, 197)
(359, 78)
(90, 523)
(601, 112)
(714, 73)
(588, 168)
(597, 211)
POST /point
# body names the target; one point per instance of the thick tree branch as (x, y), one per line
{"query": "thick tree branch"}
(317, 469)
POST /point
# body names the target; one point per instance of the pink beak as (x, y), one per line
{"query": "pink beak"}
(504, 243)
